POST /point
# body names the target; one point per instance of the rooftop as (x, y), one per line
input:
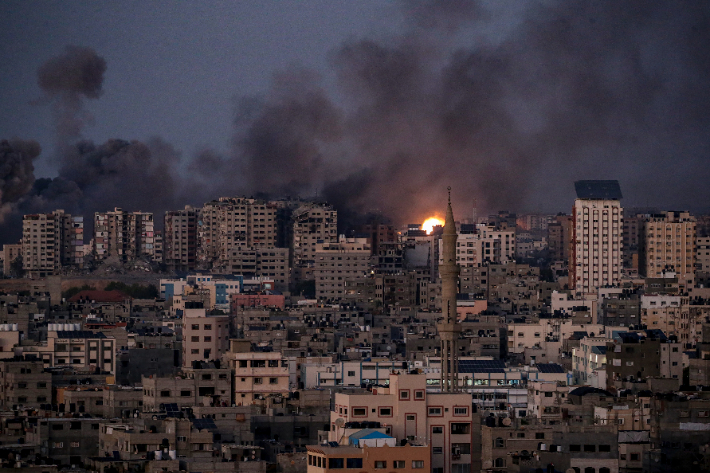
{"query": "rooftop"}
(598, 190)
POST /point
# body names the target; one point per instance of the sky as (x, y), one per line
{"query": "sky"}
(374, 106)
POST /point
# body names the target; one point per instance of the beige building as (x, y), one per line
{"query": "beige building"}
(50, 241)
(407, 411)
(558, 237)
(205, 385)
(269, 263)
(258, 375)
(24, 382)
(234, 223)
(180, 239)
(205, 337)
(9, 255)
(403, 459)
(667, 243)
(335, 263)
(597, 228)
(313, 224)
(76, 349)
(126, 235)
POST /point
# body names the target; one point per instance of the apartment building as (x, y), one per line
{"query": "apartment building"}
(407, 411)
(126, 235)
(235, 223)
(180, 239)
(9, 255)
(24, 382)
(50, 241)
(559, 237)
(313, 224)
(597, 226)
(667, 243)
(258, 375)
(270, 263)
(589, 362)
(335, 263)
(205, 337)
(75, 348)
(369, 458)
(205, 384)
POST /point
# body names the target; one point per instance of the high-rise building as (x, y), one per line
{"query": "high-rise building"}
(232, 223)
(313, 224)
(180, 239)
(449, 328)
(50, 241)
(126, 235)
(558, 237)
(667, 244)
(336, 263)
(597, 225)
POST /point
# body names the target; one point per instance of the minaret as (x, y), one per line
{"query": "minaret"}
(449, 328)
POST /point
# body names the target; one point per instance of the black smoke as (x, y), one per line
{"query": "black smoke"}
(506, 102)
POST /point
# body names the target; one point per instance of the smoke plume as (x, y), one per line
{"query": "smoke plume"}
(16, 172)
(507, 102)
(67, 80)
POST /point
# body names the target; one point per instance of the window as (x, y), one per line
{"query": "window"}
(419, 394)
(208, 326)
(258, 380)
(499, 443)
(351, 373)
(634, 457)
(404, 394)
(460, 428)
(385, 412)
(590, 448)
(437, 430)
(380, 464)
(335, 463)
(435, 411)
(460, 411)
(437, 450)
(273, 380)
(195, 327)
(259, 364)
(354, 462)
(164, 393)
(399, 464)
(359, 412)
(208, 339)
(416, 464)
(243, 364)
(605, 448)
(411, 417)
(58, 444)
(41, 385)
(575, 448)
(195, 339)
(185, 393)
(74, 445)
(539, 435)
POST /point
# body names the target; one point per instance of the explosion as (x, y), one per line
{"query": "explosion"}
(430, 223)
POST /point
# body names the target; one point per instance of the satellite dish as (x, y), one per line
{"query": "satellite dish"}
(506, 421)
(339, 422)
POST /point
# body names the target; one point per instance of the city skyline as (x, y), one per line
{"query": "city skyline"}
(509, 104)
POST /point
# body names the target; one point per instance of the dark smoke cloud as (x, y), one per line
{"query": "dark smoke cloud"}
(507, 108)
(67, 80)
(512, 115)
(16, 172)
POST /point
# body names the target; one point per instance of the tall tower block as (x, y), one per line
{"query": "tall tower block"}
(449, 328)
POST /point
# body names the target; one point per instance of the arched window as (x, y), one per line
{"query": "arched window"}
(500, 463)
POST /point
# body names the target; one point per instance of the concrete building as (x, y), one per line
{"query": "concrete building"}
(126, 235)
(702, 254)
(24, 382)
(313, 224)
(667, 243)
(205, 337)
(258, 375)
(75, 348)
(180, 239)
(336, 263)
(50, 241)
(405, 459)
(9, 255)
(407, 411)
(231, 223)
(559, 237)
(205, 384)
(597, 226)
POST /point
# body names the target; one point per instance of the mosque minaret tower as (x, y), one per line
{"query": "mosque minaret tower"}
(449, 328)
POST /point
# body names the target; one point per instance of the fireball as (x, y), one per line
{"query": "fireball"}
(430, 223)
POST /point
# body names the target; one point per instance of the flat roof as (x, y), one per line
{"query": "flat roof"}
(598, 190)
